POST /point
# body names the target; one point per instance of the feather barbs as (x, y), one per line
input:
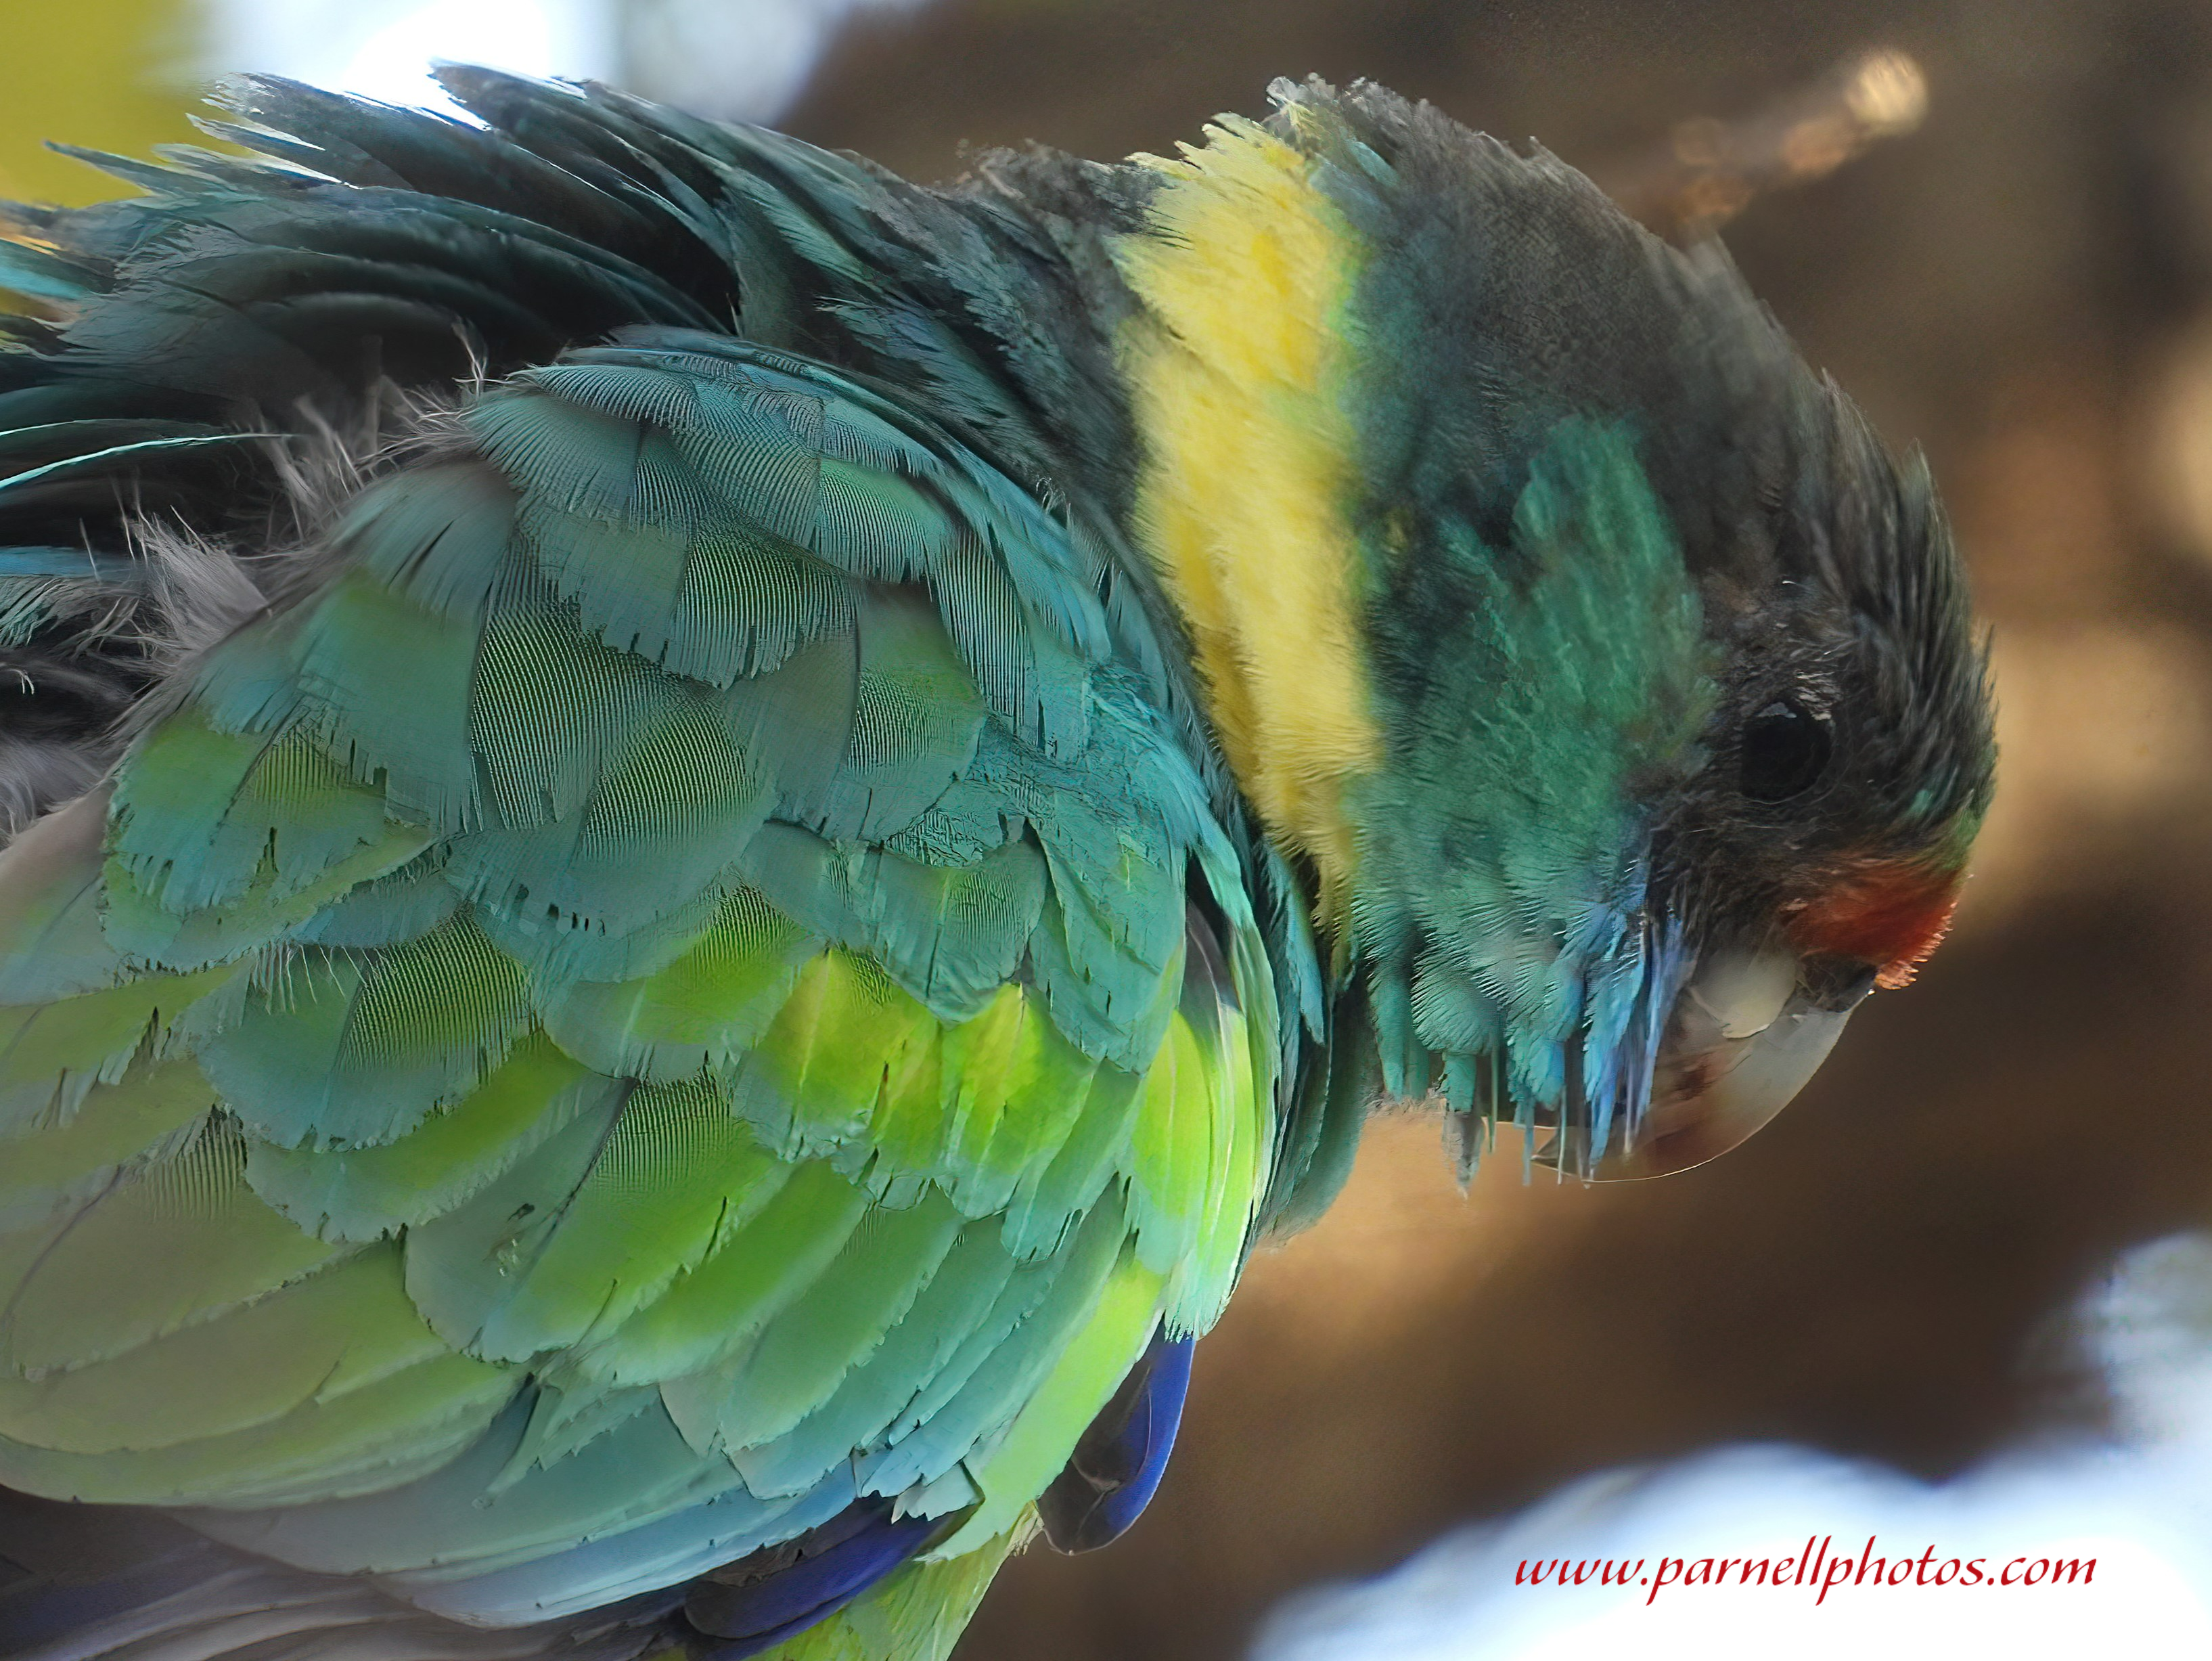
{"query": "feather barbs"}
(1237, 370)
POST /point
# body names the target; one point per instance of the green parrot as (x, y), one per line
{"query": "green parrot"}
(706, 837)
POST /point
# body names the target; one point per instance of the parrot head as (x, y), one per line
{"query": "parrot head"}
(1617, 691)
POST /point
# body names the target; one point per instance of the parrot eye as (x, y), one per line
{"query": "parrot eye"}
(1785, 747)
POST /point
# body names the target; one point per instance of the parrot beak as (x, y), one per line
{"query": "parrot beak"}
(1744, 1035)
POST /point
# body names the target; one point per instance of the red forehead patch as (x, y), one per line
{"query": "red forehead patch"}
(1892, 915)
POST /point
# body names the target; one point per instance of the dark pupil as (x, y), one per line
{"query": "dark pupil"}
(1785, 748)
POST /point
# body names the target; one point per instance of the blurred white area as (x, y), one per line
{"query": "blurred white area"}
(2140, 1503)
(731, 59)
(383, 49)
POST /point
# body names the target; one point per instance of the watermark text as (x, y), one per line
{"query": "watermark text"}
(1820, 1568)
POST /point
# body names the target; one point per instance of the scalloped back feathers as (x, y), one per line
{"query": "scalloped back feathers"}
(682, 984)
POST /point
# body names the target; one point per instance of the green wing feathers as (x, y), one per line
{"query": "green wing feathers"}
(685, 981)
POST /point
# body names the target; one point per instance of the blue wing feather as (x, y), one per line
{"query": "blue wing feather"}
(1117, 1466)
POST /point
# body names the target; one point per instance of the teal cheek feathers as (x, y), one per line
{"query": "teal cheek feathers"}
(1536, 695)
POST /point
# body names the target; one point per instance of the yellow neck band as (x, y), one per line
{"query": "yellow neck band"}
(1237, 370)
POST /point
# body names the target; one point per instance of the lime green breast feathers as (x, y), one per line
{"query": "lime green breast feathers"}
(657, 1010)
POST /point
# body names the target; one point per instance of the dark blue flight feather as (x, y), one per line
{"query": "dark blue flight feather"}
(1118, 1464)
(760, 1600)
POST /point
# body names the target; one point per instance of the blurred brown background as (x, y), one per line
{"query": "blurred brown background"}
(2022, 282)
(2023, 285)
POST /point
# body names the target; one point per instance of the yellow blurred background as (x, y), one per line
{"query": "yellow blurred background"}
(2017, 276)
(115, 75)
